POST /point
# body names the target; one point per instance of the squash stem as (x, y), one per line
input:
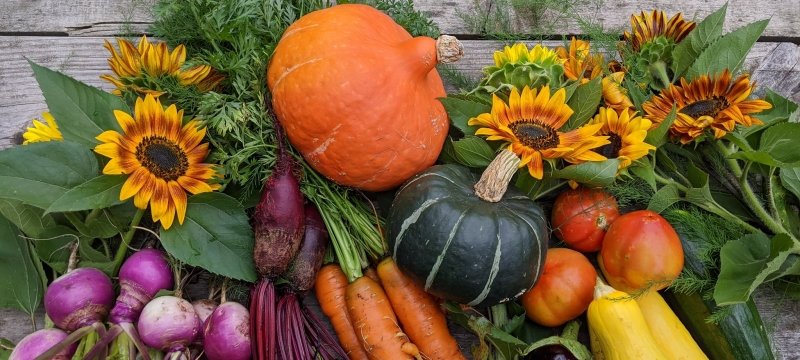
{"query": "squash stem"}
(494, 180)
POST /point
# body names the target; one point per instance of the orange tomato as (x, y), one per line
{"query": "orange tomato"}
(581, 216)
(564, 290)
(640, 250)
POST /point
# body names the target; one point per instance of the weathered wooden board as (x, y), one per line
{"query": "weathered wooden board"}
(111, 17)
(773, 64)
(615, 15)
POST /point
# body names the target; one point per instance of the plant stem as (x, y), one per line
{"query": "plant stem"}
(126, 240)
(748, 195)
(92, 215)
(499, 315)
(773, 208)
(667, 181)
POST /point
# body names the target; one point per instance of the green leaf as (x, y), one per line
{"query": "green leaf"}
(664, 198)
(706, 32)
(100, 192)
(473, 151)
(53, 247)
(216, 236)
(592, 173)
(584, 103)
(790, 178)
(19, 276)
(30, 219)
(781, 142)
(643, 169)
(97, 228)
(747, 262)
(660, 135)
(461, 109)
(782, 109)
(81, 111)
(39, 173)
(728, 52)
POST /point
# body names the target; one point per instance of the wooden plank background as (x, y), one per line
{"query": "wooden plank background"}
(68, 36)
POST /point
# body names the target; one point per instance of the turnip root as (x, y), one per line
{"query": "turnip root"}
(79, 298)
(141, 277)
(227, 333)
(39, 342)
(169, 324)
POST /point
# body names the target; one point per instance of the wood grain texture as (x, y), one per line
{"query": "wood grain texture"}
(111, 17)
(615, 15)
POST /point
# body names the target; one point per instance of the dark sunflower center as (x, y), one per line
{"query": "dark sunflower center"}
(708, 107)
(162, 157)
(611, 150)
(534, 134)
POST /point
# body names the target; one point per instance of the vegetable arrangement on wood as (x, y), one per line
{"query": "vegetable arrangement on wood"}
(617, 154)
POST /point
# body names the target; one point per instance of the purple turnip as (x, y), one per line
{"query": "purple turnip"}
(203, 308)
(79, 298)
(39, 342)
(141, 277)
(227, 333)
(169, 324)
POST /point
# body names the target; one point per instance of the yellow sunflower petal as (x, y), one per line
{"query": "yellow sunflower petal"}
(134, 183)
(178, 195)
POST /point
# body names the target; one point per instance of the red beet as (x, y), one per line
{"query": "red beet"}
(279, 220)
(303, 269)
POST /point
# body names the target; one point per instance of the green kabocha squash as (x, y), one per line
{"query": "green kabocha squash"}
(478, 250)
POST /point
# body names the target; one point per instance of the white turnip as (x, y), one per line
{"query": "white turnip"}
(169, 324)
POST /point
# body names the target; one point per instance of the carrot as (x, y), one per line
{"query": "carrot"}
(370, 272)
(330, 289)
(375, 322)
(419, 313)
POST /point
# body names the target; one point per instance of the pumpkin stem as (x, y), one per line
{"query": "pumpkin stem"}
(494, 180)
(448, 49)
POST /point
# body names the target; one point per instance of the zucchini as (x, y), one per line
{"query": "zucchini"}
(739, 336)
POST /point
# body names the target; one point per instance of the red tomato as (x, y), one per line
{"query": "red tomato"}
(641, 249)
(581, 216)
(564, 290)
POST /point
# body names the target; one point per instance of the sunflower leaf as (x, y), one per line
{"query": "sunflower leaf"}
(215, 236)
(706, 32)
(39, 173)
(81, 111)
(660, 134)
(782, 109)
(592, 173)
(473, 151)
(584, 103)
(751, 260)
(461, 109)
(776, 148)
(728, 52)
(97, 193)
(19, 276)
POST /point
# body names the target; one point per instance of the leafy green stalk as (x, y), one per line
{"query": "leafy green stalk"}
(126, 240)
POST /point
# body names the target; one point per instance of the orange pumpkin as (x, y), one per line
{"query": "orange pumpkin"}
(357, 95)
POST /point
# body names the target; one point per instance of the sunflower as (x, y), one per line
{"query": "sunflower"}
(614, 95)
(715, 103)
(626, 133)
(519, 54)
(163, 159)
(647, 27)
(135, 67)
(41, 132)
(579, 63)
(530, 124)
